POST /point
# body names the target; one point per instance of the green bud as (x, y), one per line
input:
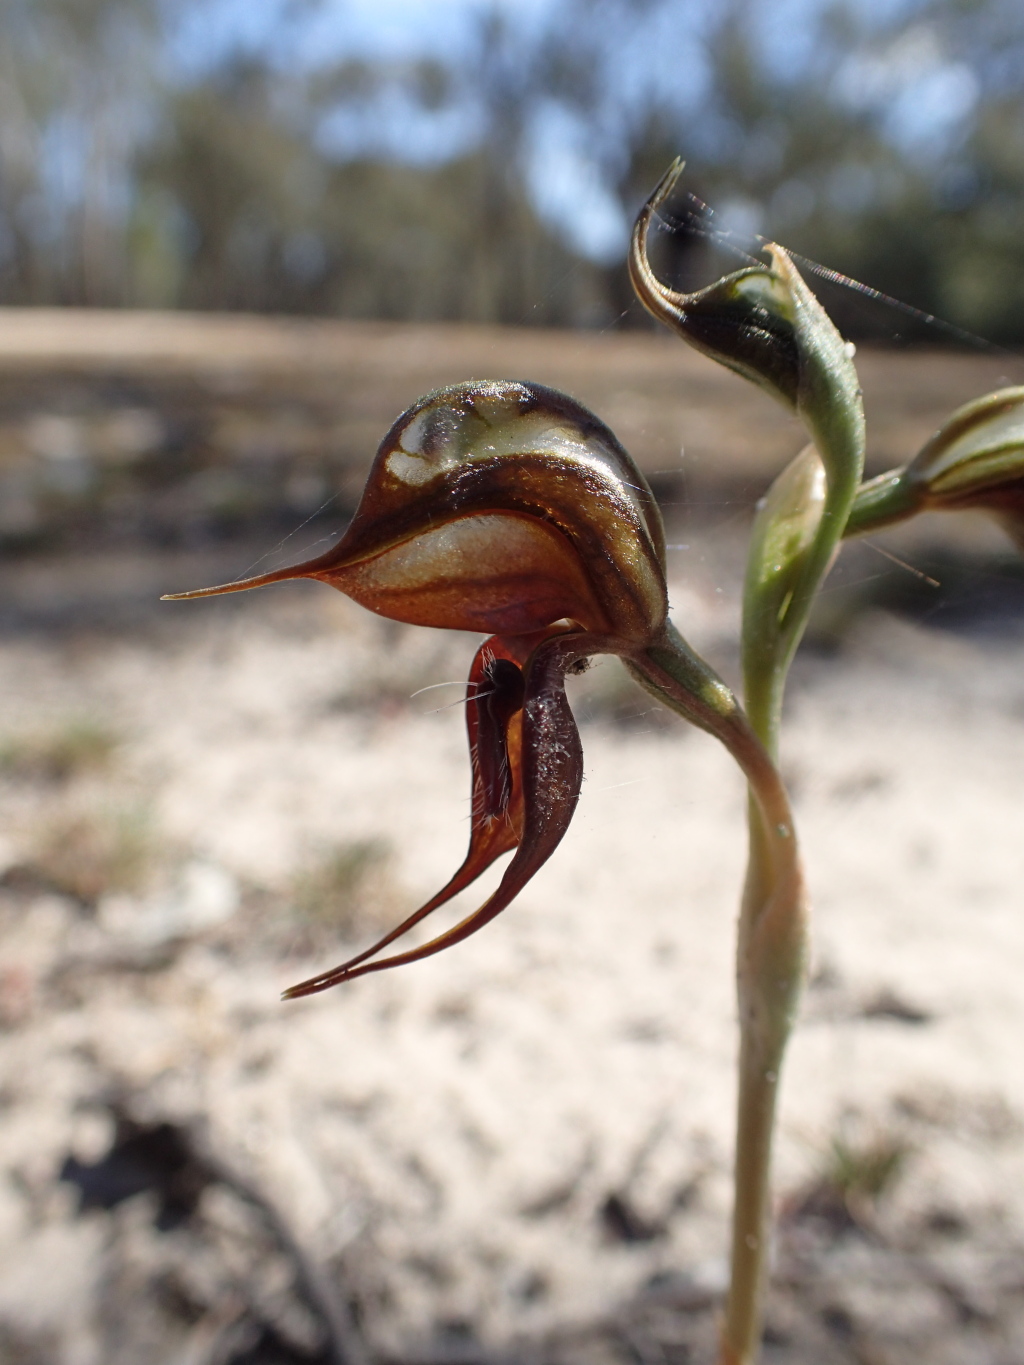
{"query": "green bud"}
(744, 321)
(765, 324)
(977, 456)
(975, 459)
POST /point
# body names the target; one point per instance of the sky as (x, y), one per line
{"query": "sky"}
(332, 28)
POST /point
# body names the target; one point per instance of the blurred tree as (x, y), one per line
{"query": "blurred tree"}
(888, 143)
(77, 85)
(894, 154)
(237, 207)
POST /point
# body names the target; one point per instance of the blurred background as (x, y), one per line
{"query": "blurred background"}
(236, 240)
(475, 163)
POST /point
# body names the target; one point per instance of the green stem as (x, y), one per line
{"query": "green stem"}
(681, 680)
(769, 971)
(772, 936)
(751, 1225)
(796, 353)
(883, 501)
(772, 931)
(770, 962)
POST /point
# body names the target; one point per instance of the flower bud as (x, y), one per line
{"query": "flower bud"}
(975, 459)
(744, 320)
(765, 324)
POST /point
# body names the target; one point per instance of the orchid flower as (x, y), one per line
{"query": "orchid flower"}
(509, 508)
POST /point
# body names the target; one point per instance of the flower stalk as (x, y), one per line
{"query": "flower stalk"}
(765, 324)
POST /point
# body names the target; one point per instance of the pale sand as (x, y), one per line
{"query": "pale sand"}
(453, 1128)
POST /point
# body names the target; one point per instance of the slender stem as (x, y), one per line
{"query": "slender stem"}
(685, 683)
(767, 988)
(751, 1224)
(770, 961)
(772, 937)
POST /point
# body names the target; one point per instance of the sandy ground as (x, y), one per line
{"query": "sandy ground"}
(519, 1150)
(175, 428)
(536, 1126)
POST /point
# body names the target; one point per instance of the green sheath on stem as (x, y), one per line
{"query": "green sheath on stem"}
(801, 521)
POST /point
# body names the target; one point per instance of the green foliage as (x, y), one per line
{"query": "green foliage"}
(862, 1173)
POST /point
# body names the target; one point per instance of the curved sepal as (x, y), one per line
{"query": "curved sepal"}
(764, 323)
(744, 320)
